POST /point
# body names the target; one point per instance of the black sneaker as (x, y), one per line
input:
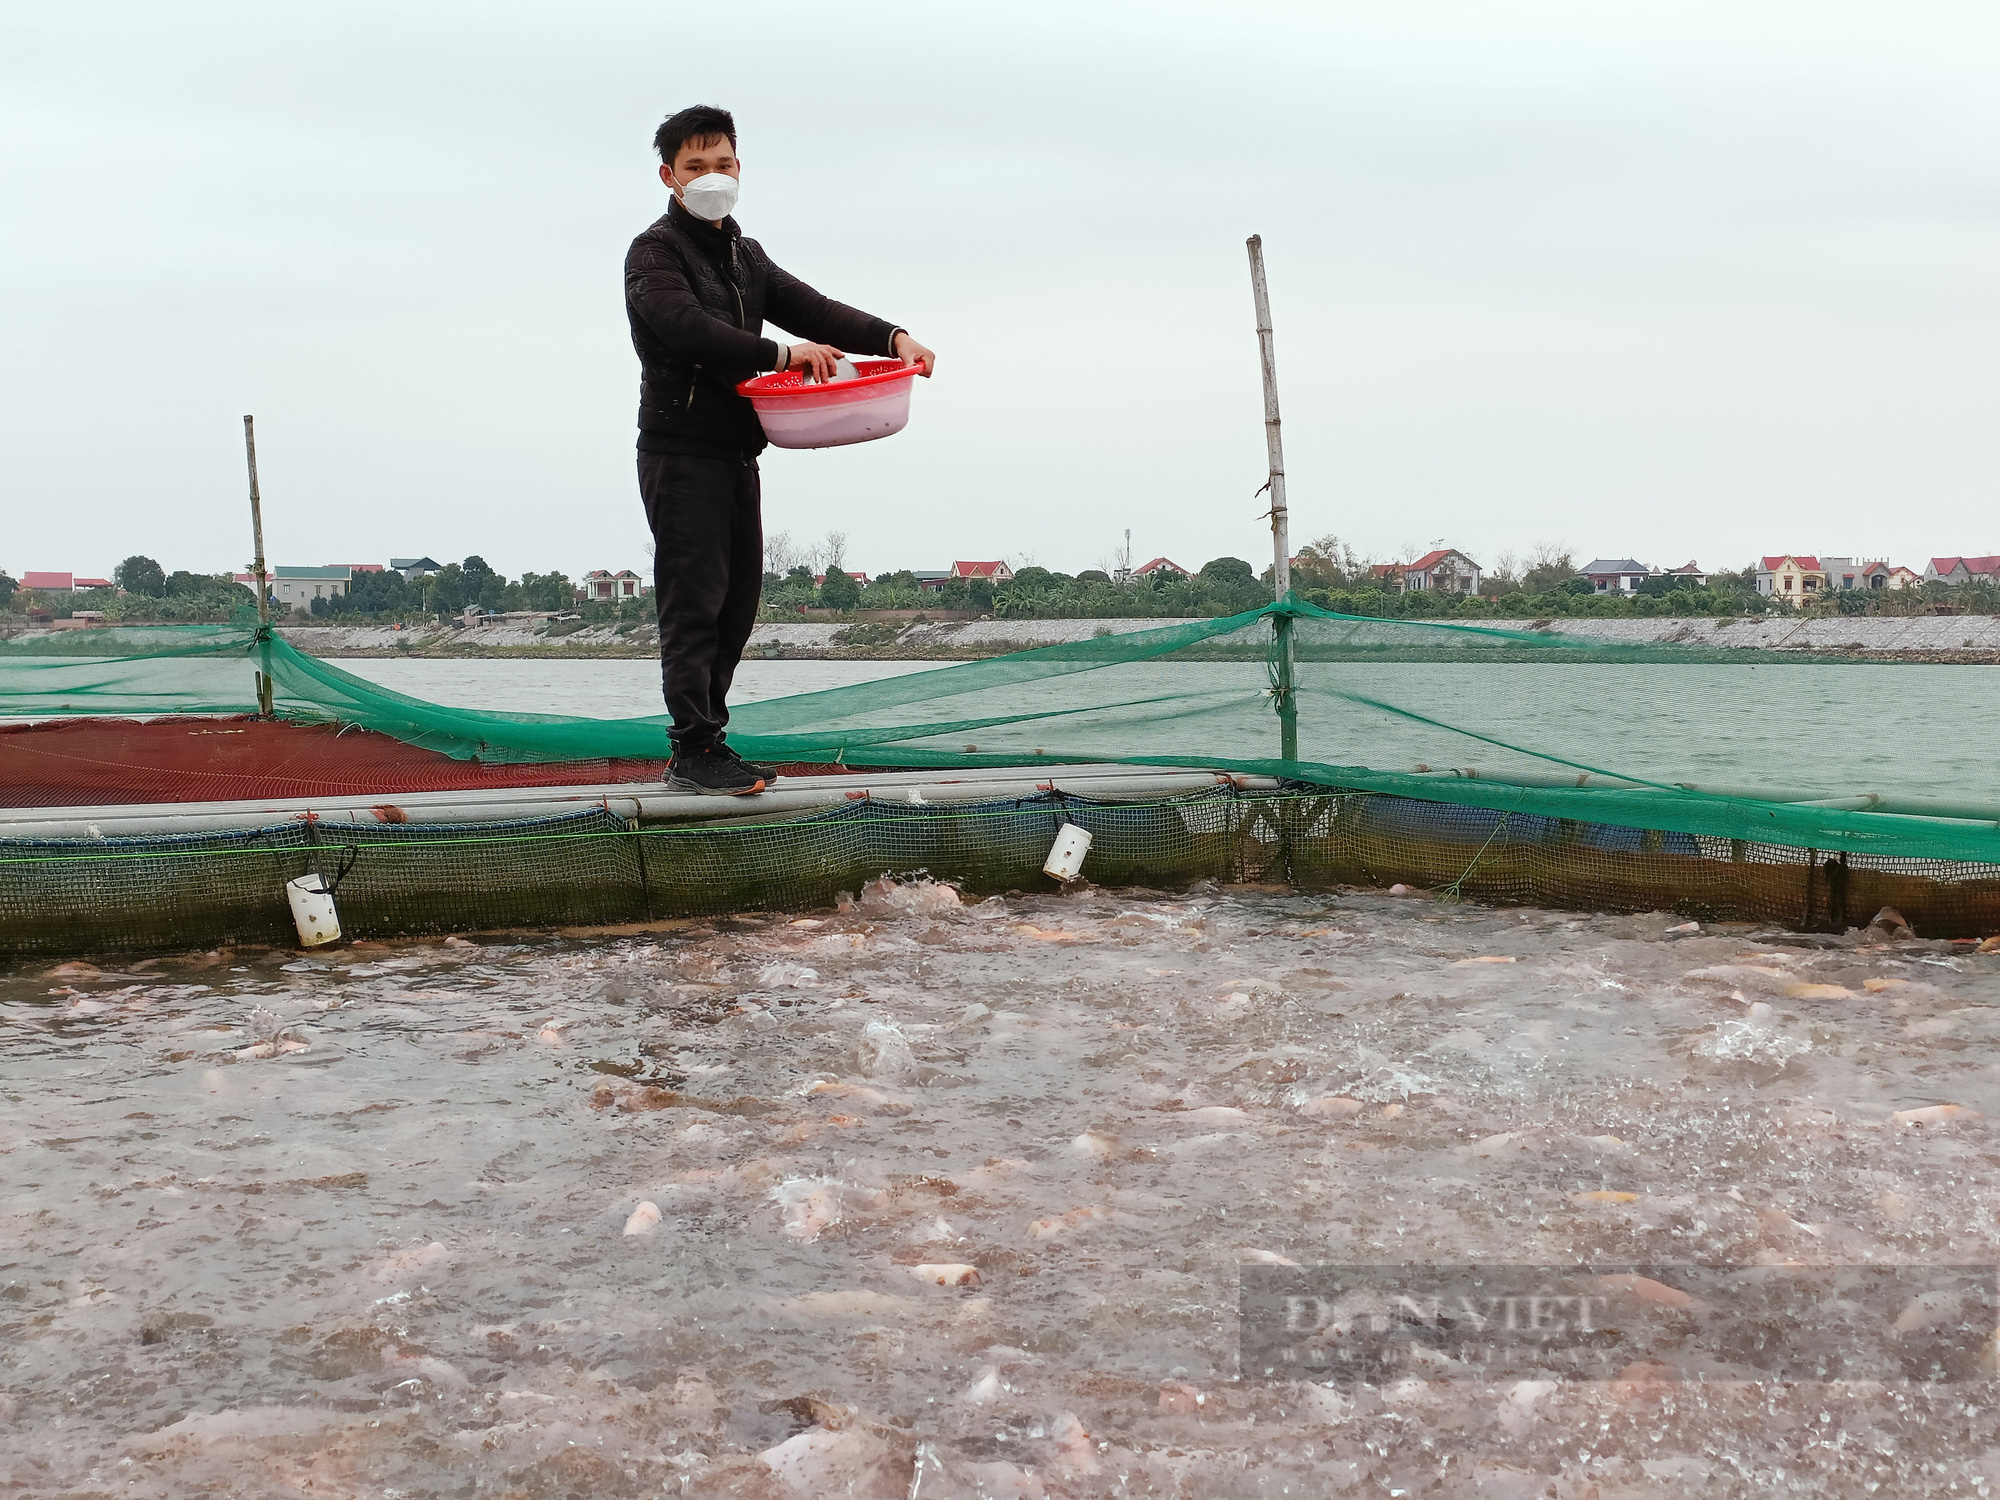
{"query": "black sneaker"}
(712, 773)
(754, 767)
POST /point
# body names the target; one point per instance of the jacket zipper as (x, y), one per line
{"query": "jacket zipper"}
(734, 291)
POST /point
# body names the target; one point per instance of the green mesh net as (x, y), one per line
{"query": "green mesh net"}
(1521, 765)
(1776, 747)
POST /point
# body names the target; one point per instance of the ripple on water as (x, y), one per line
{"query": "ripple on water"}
(951, 1194)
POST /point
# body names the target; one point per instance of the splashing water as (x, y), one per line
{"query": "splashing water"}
(923, 1197)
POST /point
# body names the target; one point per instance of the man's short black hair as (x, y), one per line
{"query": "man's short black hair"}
(697, 123)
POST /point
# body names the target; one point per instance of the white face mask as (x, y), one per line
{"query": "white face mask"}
(710, 196)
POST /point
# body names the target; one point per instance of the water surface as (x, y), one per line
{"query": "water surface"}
(1832, 729)
(617, 688)
(395, 1260)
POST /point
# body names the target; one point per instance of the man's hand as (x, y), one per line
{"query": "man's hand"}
(910, 352)
(815, 359)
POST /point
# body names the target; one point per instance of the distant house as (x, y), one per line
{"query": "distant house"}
(414, 568)
(1957, 570)
(992, 572)
(1880, 575)
(1845, 574)
(601, 587)
(1691, 572)
(360, 568)
(55, 583)
(300, 586)
(819, 579)
(931, 580)
(1616, 575)
(1445, 570)
(1791, 576)
(1163, 567)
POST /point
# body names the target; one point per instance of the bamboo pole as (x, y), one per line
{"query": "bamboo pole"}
(264, 692)
(1281, 544)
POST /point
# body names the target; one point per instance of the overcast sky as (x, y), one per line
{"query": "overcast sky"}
(1658, 280)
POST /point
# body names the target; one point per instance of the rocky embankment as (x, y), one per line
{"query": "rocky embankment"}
(1927, 638)
(942, 640)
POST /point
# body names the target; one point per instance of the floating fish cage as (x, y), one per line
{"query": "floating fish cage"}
(424, 819)
(605, 865)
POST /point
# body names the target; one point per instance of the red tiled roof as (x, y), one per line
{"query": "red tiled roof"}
(46, 580)
(1383, 570)
(90, 583)
(975, 569)
(1156, 564)
(1810, 564)
(1972, 564)
(1432, 559)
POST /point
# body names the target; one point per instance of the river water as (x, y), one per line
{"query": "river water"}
(599, 689)
(1836, 730)
(667, 1211)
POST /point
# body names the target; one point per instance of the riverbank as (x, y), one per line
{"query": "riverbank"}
(1971, 639)
(1936, 639)
(864, 640)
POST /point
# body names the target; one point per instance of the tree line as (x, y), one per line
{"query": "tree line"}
(149, 592)
(1325, 572)
(388, 594)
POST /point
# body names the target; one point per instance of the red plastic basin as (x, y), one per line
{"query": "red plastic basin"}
(797, 415)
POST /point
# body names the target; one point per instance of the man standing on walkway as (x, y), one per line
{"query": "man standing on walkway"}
(697, 294)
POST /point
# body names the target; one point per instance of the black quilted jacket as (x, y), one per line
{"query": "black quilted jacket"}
(697, 295)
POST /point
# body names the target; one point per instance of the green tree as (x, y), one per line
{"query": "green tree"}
(794, 590)
(839, 592)
(7, 587)
(140, 575)
(1325, 562)
(966, 593)
(378, 593)
(186, 596)
(1549, 566)
(543, 591)
(445, 590)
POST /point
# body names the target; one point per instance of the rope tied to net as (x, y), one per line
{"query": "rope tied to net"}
(352, 852)
(1454, 893)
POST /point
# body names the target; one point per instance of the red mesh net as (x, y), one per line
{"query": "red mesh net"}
(112, 762)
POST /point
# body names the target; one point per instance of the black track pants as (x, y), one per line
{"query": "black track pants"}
(708, 573)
